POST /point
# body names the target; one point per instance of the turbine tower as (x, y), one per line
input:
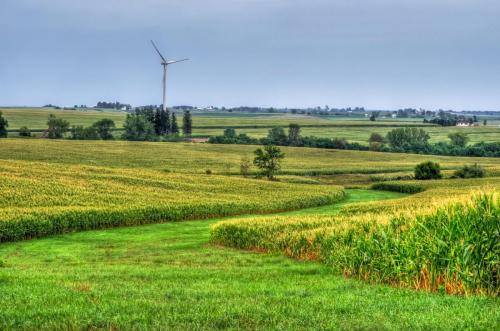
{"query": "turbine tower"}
(165, 64)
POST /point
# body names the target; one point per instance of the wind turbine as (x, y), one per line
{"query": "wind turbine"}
(165, 64)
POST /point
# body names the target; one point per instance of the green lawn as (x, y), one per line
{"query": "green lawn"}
(167, 276)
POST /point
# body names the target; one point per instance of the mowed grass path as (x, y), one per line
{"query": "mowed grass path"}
(167, 276)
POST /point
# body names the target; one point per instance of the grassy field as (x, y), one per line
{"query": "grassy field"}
(362, 134)
(36, 118)
(221, 159)
(354, 129)
(167, 276)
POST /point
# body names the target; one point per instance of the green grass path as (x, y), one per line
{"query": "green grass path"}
(166, 276)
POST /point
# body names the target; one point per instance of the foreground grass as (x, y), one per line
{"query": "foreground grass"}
(166, 276)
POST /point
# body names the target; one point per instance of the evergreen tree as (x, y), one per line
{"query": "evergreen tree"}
(165, 121)
(157, 123)
(174, 129)
(3, 126)
(187, 123)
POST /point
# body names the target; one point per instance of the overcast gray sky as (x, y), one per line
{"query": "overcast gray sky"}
(285, 53)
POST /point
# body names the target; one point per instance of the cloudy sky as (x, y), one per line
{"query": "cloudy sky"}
(381, 54)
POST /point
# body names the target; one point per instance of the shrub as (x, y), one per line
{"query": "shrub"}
(376, 137)
(208, 172)
(428, 170)
(24, 132)
(470, 171)
(409, 188)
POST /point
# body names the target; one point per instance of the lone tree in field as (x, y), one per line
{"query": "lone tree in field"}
(104, 127)
(428, 170)
(268, 160)
(458, 139)
(187, 123)
(57, 127)
(294, 138)
(4, 124)
(174, 129)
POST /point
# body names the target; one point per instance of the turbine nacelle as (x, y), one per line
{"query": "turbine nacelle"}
(166, 63)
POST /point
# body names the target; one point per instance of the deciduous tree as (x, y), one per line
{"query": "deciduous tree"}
(268, 160)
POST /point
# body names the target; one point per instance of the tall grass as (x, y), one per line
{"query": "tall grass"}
(456, 249)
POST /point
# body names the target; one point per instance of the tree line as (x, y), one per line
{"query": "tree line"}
(399, 140)
(143, 125)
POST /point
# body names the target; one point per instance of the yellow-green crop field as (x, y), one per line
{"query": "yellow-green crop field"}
(414, 242)
(39, 199)
(220, 159)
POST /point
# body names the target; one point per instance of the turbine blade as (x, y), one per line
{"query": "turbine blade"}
(172, 62)
(152, 42)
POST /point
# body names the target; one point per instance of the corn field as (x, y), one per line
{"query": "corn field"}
(39, 199)
(444, 239)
